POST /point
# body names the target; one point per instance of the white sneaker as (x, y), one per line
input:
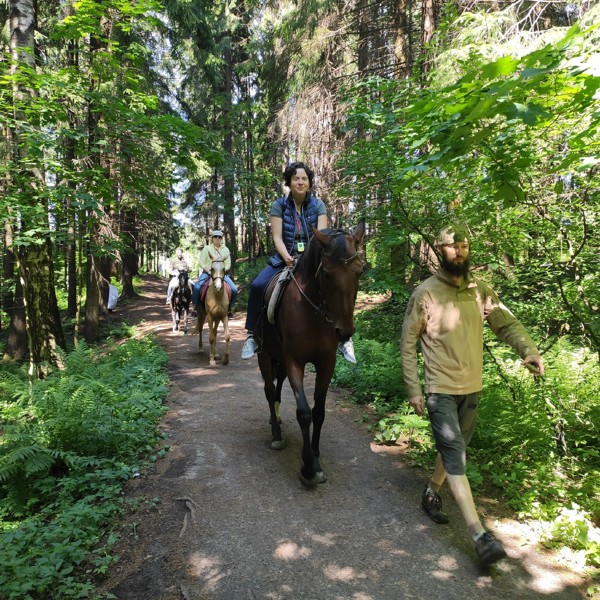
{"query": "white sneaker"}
(249, 348)
(346, 349)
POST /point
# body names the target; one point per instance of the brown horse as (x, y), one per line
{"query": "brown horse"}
(316, 312)
(214, 310)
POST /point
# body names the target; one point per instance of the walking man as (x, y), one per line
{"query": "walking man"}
(446, 314)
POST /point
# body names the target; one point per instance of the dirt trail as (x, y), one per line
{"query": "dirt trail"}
(224, 517)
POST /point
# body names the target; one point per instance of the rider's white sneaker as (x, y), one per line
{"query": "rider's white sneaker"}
(249, 348)
(346, 349)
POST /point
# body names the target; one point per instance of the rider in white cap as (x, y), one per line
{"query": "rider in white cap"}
(216, 249)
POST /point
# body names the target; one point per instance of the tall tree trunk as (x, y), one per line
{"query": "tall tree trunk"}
(402, 54)
(427, 31)
(44, 327)
(130, 256)
(363, 37)
(228, 179)
(12, 301)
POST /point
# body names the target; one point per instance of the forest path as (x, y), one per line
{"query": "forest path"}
(224, 517)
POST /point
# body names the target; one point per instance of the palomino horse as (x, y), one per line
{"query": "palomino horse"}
(214, 310)
(316, 312)
(180, 302)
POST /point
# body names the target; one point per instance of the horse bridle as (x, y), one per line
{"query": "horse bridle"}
(217, 260)
(323, 309)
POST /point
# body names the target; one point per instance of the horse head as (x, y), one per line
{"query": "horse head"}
(183, 279)
(336, 262)
(217, 271)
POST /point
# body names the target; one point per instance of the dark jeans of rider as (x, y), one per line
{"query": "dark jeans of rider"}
(257, 291)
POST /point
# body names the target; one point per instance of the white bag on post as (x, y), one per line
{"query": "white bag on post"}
(113, 296)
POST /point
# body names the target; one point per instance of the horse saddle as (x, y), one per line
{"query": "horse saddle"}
(206, 285)
(274, 292)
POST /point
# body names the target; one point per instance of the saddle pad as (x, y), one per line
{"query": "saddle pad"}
(205, 289)
(274, 292)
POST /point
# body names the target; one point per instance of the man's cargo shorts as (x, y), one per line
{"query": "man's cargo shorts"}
(453, 419)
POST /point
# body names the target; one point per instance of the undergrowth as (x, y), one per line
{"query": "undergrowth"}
(69, 443)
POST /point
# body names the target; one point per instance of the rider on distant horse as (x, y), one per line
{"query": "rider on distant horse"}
(292, 219)
(215, 250)
(177, 265)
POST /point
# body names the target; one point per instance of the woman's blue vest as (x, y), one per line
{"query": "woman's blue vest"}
(310, 215)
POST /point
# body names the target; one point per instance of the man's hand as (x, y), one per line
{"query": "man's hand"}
(534, 363)
(418, 404)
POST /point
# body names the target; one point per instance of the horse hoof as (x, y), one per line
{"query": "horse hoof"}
(277, 444)
(307, 483)
(317, 478)
(225, 360)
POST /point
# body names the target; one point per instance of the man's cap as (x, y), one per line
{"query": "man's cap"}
(216, 233)
(452, 234)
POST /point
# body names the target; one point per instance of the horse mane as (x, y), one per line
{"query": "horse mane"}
(309, 261)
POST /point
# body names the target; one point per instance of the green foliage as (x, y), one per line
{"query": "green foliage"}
(573, 528)
(488, 149)
(377, 377)
(70, 442)
(538, 442)
(245, 272)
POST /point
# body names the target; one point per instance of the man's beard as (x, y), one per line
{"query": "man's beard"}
(456, 269)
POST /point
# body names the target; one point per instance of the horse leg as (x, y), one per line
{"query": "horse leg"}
(311, 473)
(174, 317)
(227, 337)
(200, 326)
(212, 339)
(273, 395)
(323, 378)
(185, 320)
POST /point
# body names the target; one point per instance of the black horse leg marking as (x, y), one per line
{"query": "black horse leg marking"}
(311, 473)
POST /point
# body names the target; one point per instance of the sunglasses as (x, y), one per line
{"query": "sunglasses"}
(219, 237)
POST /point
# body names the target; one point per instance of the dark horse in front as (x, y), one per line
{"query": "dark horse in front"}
(315, 313)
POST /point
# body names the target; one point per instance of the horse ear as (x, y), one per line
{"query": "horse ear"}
(359, 231)
(322, 237)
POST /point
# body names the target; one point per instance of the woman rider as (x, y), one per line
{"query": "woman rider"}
(292, 219)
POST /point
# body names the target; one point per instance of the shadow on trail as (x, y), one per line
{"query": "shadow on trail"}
(224, 517)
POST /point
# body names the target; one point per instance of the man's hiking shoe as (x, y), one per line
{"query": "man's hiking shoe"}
(432, 505)
(249, 348)
(489, 549)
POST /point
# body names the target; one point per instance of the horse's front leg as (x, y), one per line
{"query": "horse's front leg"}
(199, 327)
(227, 337)
(311, 473)
(174, 317)
(185, 320)
(212, 339)
(324, 375)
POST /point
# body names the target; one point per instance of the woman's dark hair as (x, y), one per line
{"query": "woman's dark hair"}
(291, 169)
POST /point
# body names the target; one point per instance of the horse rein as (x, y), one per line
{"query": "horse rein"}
(213, 279)
(322, 309)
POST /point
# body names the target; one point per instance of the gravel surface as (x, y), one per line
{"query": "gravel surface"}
(224, 517)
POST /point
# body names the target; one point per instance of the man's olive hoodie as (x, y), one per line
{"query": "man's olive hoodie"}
(448, 319)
